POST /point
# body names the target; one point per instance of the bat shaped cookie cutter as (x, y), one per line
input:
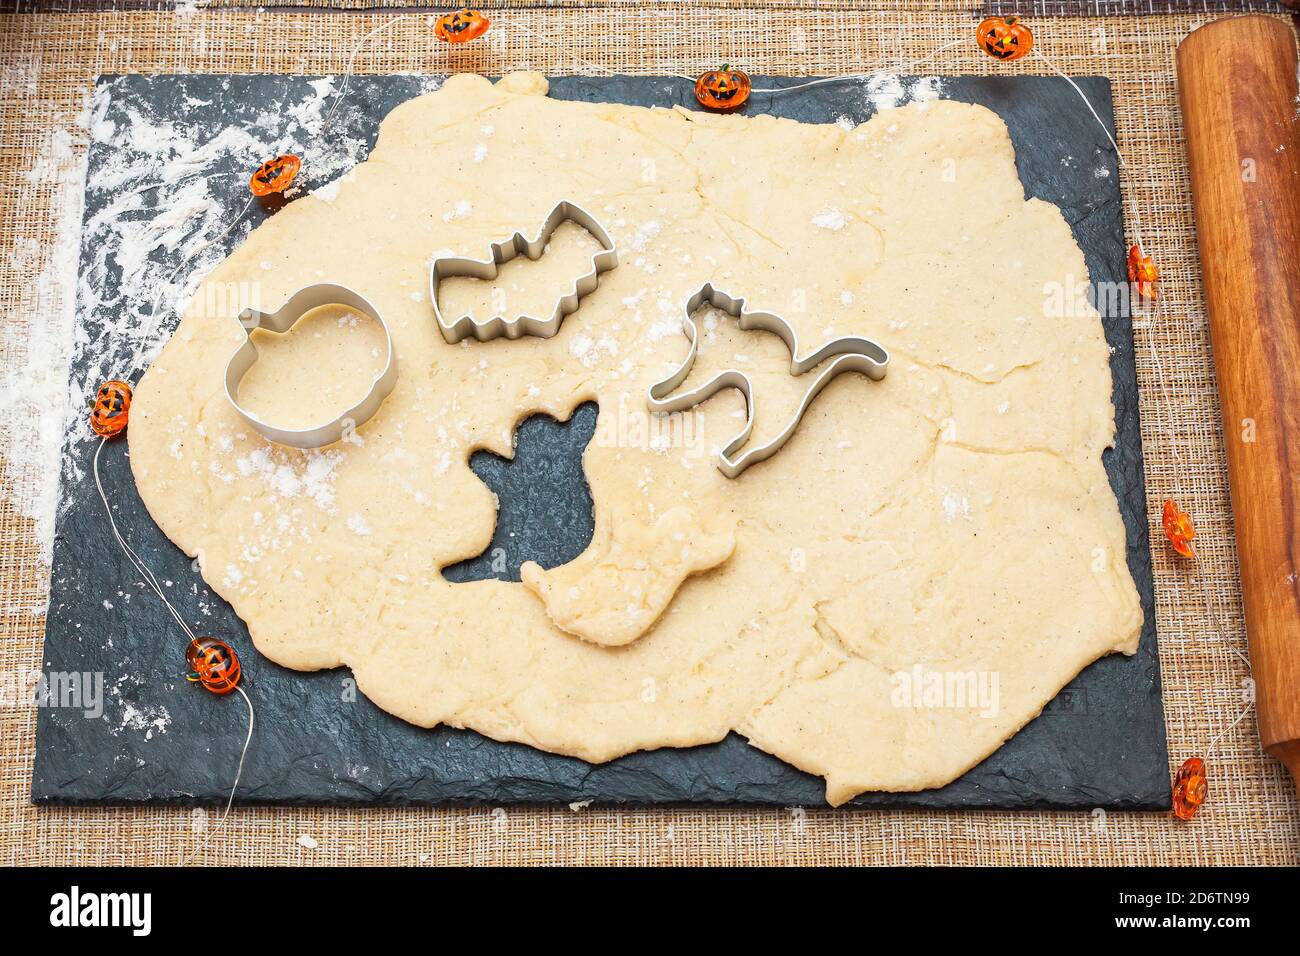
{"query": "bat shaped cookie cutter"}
(446, 267)
(851, 354)
(283, 319)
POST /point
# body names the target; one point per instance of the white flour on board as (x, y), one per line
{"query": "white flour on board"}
(158, 203)
(889, 90)
(37, 338)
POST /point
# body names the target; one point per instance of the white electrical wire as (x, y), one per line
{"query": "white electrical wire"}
(152, 581)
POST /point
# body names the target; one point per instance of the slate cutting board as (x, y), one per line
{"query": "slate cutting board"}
(1100, 743)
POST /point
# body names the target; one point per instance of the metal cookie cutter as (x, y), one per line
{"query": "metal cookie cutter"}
(445, 267)
(281, 320)
(853, 354)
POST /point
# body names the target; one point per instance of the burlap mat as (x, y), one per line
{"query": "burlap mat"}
(49, 62)
(1095, 8)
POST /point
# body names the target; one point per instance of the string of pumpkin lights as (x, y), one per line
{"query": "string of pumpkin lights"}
(214, 665)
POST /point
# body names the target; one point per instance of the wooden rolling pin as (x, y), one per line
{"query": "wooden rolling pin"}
(1237, 88)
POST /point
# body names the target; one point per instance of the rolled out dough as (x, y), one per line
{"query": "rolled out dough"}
(952, 520)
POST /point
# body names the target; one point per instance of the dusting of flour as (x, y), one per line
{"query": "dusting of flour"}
(889, 90)
(37, 340)
(163, 189)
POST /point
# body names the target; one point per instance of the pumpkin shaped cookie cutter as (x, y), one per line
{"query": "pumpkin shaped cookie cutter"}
(498, 326)
(850, 353)
(283, 319)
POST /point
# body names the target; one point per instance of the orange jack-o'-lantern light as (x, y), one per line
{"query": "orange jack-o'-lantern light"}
(109, 410)
(1004, 38)
(1179, 528)
(275, 175)
(1142, 272)
(1191, 787)
(724, 89)
(461, 26)
(213, 664)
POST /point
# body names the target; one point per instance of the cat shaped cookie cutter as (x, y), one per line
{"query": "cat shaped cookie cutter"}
(283, 319)
(498, 326)
(851, 353)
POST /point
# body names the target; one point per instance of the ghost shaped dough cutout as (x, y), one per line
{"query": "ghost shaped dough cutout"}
(616, 590)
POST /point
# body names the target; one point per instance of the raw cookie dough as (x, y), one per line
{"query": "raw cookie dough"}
(615, 591)
(950, 527)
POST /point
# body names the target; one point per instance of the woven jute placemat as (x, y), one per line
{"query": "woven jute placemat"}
(49, 64)
(1028, 8)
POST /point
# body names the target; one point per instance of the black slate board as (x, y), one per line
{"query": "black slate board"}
(1101, 743)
